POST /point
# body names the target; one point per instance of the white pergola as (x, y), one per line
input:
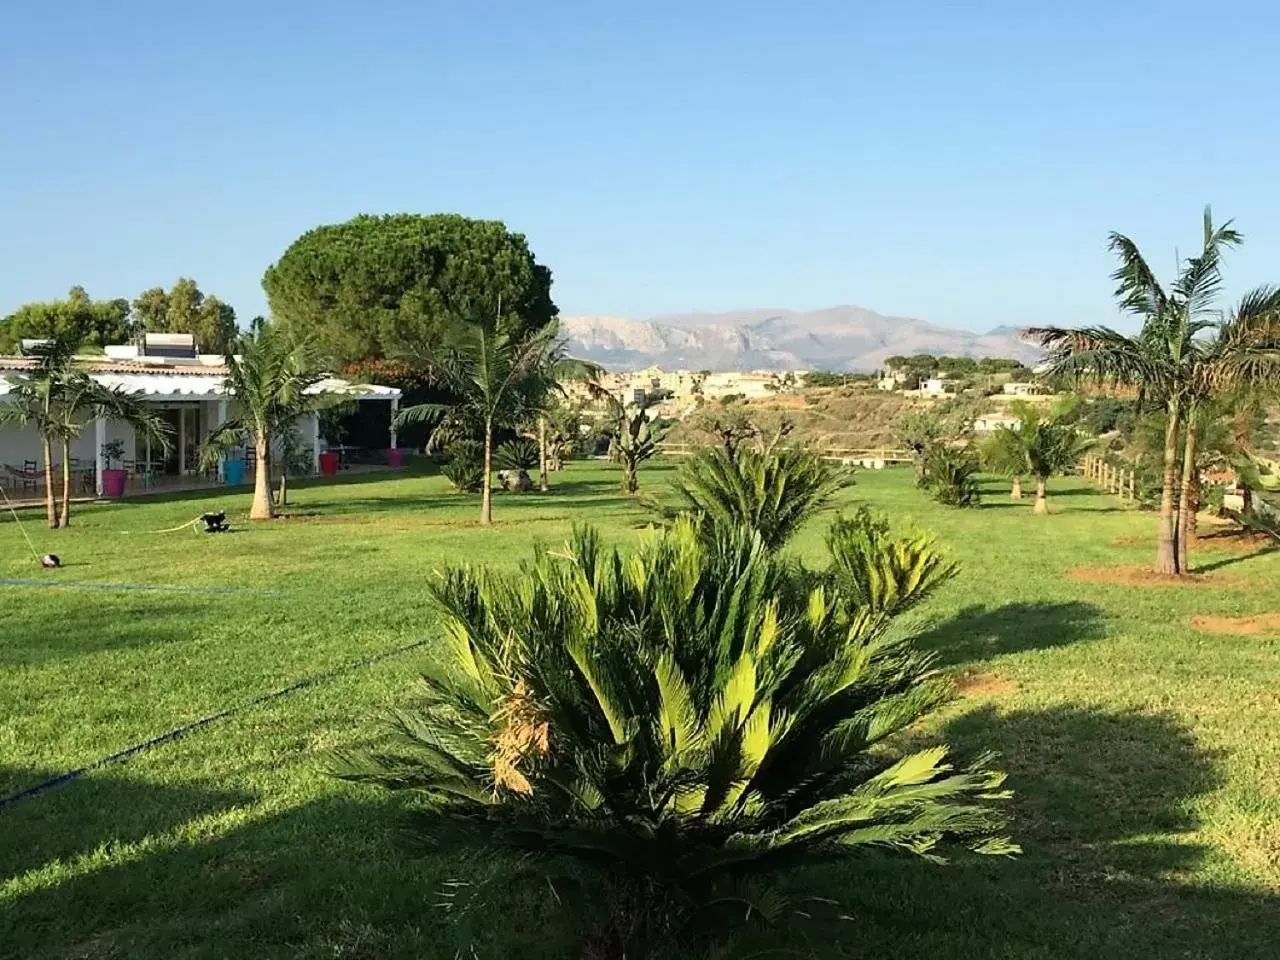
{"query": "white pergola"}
(161, 387)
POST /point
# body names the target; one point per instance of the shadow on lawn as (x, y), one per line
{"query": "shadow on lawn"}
(980, 632)
(92, 621)
(1102, 804)
(100, 809)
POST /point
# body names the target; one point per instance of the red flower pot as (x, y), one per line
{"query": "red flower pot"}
(395, 457)
(329, 464)
(113, 482)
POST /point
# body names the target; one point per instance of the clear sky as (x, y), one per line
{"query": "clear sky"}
(960, 162)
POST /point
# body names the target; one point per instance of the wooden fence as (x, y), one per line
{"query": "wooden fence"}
(873, 458)
(1117, 480)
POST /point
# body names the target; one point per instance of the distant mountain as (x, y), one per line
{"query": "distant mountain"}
(843, 339)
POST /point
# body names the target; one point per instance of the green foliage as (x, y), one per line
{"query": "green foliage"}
(518, 454)
(679, 725)
(633, 439)
(465, 467)
(77, 320)
(771, 494)
(391, 286)
(878, 572)
(186, 309)
(950, 475)
(270, 375)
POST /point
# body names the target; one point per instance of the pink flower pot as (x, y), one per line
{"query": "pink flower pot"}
(113, 482)
(395, 457)
(329, 464)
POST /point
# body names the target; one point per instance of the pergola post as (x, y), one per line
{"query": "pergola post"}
(182, 441)
(315, 442)
(395, 411)
(222, 418)
(99, 441)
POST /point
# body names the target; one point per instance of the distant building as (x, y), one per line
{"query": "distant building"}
(935, 386)
(1020, 389)
(992, 422)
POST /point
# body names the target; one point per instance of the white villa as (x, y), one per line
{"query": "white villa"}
(186, 387)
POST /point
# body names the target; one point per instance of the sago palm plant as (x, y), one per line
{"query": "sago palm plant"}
(676, 726)
(770, 493)
(951, 475)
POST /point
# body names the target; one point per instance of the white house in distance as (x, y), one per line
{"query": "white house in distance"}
(187, 388)
(991, 422)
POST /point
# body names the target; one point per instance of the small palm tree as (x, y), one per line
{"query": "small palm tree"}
(683, 723)
(547, 394)
(59, 401)
(1174, 360)
(271, 376)
(1037, 447)
(496, 373)
(772, 494)
(950, 475)
(635, 437)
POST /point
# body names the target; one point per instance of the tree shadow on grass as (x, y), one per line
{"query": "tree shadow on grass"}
(93, 621)
(1232, 560)
(979, 632)
(1103, 807)
(98, 810)
(325, 879)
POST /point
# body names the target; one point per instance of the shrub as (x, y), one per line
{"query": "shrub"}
(657, 735)
(772, 494)
(518, 454)
(951, 476)
(465, 466)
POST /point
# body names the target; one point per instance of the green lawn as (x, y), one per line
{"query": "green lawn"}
(1145, 754)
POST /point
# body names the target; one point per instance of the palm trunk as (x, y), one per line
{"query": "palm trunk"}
(486, 495)
(1042, 500)
(1167, 532)
(50, 504)
(1246, 500)
(1187, 496)
(262, 508)
(543, 485)
(1016, 492)
(65, 519)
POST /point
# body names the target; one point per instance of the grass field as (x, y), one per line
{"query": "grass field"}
(1145, 754)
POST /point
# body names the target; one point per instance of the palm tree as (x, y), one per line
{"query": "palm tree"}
(271, 377)
(496, 374)
(548, 391)
(1037, 447)
(83, 400)
(635, 437)
(1166, 359)
(58, 401)
(683, 723)
(771, 494)
(32, 401)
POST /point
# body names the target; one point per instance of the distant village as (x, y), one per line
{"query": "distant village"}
(678, 393)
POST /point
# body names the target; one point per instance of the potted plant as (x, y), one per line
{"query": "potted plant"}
(113, 480)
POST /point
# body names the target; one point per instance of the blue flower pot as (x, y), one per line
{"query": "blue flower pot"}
(233, 472)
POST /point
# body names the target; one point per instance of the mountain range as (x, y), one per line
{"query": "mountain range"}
(839, 339)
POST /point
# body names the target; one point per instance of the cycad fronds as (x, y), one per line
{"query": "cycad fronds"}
(772, 494)
(685, 719)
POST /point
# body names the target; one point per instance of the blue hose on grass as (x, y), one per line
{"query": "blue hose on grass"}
(177, 733)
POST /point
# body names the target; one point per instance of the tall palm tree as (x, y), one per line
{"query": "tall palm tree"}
(496, 374)
(271, 377)
(1164, 359)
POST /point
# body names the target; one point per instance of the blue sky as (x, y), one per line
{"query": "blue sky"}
(959, 162)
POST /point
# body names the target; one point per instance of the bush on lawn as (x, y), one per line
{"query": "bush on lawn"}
(659, 734)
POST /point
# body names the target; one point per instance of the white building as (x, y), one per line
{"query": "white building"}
(1020, 389)
(991, 422)
(935, 386)
(187, 389)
